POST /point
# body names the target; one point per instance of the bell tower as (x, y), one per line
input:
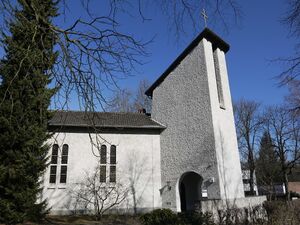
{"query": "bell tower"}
(199, 152)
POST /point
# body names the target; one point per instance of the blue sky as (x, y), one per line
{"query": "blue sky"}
(255, 43)
(259, 38)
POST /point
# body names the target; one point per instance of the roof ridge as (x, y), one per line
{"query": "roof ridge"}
(103, 119)
(75, 111)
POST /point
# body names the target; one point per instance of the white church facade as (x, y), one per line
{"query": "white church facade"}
(184, 157)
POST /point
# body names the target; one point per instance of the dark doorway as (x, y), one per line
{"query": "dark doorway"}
(190, 191)
(182, 197)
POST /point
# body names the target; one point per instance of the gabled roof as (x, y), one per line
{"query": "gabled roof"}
(216, 41)
(103, 120)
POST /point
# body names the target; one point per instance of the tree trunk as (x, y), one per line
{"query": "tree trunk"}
(273, 193)
(252, 182)
(251, 166)
(286, 185)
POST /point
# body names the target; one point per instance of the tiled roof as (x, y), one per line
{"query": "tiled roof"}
(103, 119)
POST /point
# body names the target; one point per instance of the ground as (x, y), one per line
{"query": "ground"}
(88, 220)
(277, 213)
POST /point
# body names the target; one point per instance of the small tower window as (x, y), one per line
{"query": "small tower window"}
(218, 79)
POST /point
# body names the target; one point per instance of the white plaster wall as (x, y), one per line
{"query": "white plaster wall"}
(230, 175)
(141, 150)
(250, 203)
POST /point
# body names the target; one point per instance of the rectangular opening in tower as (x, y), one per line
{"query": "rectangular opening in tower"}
(218, 79)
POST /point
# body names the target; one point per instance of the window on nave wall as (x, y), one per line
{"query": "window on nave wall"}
(104, 166)
(103, 154)
(113, 161)
(55, 163)
(113, 154)
(102, 174)
(64, 162)
(54, 155)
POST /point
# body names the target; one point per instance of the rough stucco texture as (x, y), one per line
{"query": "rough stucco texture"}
(186, 102)
(182, 103)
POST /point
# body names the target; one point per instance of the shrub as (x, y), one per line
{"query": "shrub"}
(280, 212)
(160, 217)
(194, 218)
(272, 207)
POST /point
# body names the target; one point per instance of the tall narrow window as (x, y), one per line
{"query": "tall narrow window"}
(112, 175)
(64, 160)
(54, 155)
(102, 174)
(52, 179)
(64, 154)
(113, 161)
(63, 174)
(218, 79)
(53, 166)
(103, 154)
(113, 155)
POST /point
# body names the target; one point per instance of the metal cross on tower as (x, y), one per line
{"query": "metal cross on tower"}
(205, 17)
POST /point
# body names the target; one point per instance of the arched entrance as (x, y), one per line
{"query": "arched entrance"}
(190, 191)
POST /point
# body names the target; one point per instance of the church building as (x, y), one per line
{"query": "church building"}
(183, 157)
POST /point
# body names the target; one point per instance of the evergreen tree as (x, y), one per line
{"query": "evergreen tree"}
(25, 73)
(267, 164)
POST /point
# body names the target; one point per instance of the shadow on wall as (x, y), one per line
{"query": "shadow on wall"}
(233, 207)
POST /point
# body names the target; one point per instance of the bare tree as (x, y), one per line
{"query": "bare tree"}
(293, 98)
(268, 165)
(93, 53)
(290, 75)
(248, 124)
(122, 101)
(142, 101)
(181, 13)
(283, 126)
(292, 20)
(125, 100)
(97, 196)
